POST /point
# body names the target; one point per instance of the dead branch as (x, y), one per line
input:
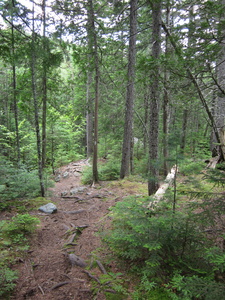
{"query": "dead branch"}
(40, 288)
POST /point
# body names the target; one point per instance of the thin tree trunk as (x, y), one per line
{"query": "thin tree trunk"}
(89, 90)
(15, 107)
(153, 168)
(184, 130)
(96, 68)
(129, 110)
(38, 137)
(44, 87)
(146, 107)
(165, 105)
(89, 114)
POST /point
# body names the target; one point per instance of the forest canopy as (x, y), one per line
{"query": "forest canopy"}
(138, 81)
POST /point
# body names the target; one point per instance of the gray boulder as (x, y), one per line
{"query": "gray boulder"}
(66, 174)
(49, 208)
(76, 190)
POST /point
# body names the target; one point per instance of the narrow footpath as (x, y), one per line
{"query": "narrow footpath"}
(63, 254)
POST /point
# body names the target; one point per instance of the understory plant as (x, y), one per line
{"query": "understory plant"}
(172, 248)
(17, 184)
(109, 170)
(14, 235)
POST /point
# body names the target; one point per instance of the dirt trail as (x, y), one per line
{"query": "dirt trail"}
(46, 272)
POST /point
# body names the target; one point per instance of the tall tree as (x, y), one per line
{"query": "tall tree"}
(89, 90)
(15, 106)
(153, 168)
(166, 94)
(35, 100)
(129, 109)
(90, 10)
(44, 87)
(219, 110)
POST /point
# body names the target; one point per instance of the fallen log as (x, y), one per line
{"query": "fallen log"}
(162, 189)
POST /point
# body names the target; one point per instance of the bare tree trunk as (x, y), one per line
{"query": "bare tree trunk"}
(38, 137)
(153, 168)
(89, 89)
(165, 105)
(89, 114)
(44, 87)
(220, 99)
(129, 110)
(15, 107)
(93, 36)
(146, 107)
(184, 130)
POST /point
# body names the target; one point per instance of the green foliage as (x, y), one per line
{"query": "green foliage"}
(195, 287)
(17, 183)
(190, 167)
(110, 281)
(108, 170)
(7, 280)
(19, 228)
(13, 242)
(158, 244)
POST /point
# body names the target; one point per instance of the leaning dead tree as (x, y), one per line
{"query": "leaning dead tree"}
(158, 196)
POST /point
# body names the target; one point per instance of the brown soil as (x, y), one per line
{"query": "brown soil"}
(46, 272)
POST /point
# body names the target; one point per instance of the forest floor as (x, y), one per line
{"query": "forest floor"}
(47, 271)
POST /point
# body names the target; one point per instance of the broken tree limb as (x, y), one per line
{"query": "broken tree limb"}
(162, 189)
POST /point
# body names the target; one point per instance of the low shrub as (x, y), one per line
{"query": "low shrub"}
(158, 244)
(13, 242)
(7, 281)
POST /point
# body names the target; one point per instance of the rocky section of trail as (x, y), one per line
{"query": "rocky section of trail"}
(66, 241)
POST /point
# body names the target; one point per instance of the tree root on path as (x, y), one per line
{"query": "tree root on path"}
(58, 285)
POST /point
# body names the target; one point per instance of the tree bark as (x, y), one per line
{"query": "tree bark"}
(153, 168)
(126, 162)
(15, 107)
(38, 136)
(96, 88)
(219, 109)
(44, 88)
(166, 96)
(89, 89)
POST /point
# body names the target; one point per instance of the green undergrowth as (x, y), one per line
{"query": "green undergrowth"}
(108, 170)
(14, 244)
(176, 250)
(18, 186)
